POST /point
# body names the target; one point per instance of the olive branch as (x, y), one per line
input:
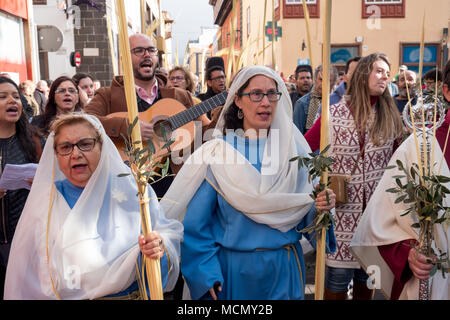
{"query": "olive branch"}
(144, 166)
(317, 164)
(424, 199)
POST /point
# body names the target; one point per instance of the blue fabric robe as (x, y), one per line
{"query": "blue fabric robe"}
(71, 193)
(249, 259)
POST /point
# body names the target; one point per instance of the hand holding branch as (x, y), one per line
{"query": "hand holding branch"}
(151, 246)
(324, 201)
(419, 264)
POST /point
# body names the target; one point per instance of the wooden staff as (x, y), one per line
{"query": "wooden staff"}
(151, 267)
(230, 65)
(143, 4)
(111, 45)
(321, 235)
(176, 52)
(263, 34)
(424, 134)
(434, 122)
(416, 141)
(426, 231)
(273, 34)
(308, 33)
(186, 54)
(204, 88)
(422, 46)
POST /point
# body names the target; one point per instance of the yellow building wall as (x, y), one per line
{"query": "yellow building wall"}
(382, 35)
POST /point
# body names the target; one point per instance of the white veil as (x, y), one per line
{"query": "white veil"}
(275, 196)
(92, 249)
(382, 223)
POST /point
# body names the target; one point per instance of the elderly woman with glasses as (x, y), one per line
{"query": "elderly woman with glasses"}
(247, 202)
(63, 98)
(80, 233)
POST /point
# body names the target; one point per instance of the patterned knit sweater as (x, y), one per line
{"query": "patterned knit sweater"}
(345, 147)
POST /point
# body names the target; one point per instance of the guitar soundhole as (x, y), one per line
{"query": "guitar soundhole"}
(162, 130)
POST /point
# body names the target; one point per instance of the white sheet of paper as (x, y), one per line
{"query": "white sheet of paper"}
(14, 176)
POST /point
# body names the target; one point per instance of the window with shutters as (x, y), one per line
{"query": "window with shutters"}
(294, 8)
(410, 55)
(383, 8)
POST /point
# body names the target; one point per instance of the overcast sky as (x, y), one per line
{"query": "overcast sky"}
(189, 16)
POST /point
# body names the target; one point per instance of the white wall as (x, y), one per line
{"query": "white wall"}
(59, 63)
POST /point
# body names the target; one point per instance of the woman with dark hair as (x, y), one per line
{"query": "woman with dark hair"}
(247, 203)
(63, 98)
(85, 85)
(18, 145)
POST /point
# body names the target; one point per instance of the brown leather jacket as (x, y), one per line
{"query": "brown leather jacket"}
(112, 99)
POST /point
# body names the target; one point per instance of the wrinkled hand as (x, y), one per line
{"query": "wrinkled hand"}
(146, 130)
(419, 265)
(321, 200)
(151, 246)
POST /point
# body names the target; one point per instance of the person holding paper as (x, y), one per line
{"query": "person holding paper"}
(79, 235)
(18, 145)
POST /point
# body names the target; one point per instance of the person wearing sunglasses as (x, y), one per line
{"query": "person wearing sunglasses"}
(63, 98)
(80, 236)
(247, 202)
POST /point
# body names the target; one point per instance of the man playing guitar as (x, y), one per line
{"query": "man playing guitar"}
(150, 88)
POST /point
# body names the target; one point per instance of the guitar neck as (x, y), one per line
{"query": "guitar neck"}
(196, 111)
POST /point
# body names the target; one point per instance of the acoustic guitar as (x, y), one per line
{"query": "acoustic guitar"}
(171, 118)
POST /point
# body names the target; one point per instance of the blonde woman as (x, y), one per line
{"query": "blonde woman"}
(179, 77)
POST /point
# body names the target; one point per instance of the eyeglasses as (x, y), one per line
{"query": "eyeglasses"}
(257, 96)
(66, 148)
(63, 91)
(140, 51)
(218, 78)
(178, 78)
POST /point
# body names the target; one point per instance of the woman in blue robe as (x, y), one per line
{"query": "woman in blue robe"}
(246, 202)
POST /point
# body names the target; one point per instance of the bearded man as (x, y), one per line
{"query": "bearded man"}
(150, 87)
(406, 78)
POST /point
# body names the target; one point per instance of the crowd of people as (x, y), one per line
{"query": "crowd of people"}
(227, 221)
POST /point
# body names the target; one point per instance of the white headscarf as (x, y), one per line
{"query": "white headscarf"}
(382, 223)
(275, 196)
(92, 248)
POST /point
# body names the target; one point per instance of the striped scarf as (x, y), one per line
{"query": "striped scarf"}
(314, 105)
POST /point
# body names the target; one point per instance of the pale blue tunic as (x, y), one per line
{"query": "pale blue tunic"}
(249, 259)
